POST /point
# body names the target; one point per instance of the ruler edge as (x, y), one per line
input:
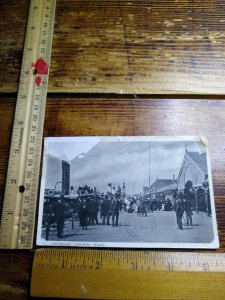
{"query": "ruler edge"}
(3, 206)
(162, 274)
(160, 255)
(38, 156)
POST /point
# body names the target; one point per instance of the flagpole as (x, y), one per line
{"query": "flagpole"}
(149, 170)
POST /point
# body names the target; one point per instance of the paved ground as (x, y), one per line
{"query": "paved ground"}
(156, 227)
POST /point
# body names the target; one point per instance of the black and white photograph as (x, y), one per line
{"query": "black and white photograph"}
(127, 192)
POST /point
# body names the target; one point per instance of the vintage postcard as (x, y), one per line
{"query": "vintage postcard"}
(127, 192)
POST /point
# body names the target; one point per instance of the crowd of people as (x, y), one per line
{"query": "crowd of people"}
(104, 209)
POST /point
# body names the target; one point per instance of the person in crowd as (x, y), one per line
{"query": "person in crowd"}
(59, 213)
(92, 206)
(138, 207)
(143, 209)
(48, 220)
(168, 205)
(96, 210)
(179, 209)
(105, 210)
(83, 215)
(189, 198)
(115, 210)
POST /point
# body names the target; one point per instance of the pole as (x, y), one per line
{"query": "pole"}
(149, 171)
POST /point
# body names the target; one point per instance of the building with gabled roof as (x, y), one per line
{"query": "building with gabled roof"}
(193, 168)
(159, 183)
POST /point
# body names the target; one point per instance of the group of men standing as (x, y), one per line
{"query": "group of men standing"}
(183, 204)
(108, 207)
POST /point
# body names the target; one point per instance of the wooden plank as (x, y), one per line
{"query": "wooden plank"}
(13, 19)
(73, 115)
(125, 46)
(139, 47)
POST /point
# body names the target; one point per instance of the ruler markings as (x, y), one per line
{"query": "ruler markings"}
(156, 260)
(20, 199)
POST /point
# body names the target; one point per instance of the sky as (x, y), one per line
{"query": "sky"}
(121, 159)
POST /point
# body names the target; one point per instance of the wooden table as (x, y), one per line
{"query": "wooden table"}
(121, 68)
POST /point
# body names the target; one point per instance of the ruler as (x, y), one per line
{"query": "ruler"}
(19, 206)
(115, 274)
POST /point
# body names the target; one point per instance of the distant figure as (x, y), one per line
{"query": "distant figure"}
(115, 210)
(143, 209)
(179, 208)
(59, 212)
(168, 205)
(189, 197)
(105, 210)
(92, 206)
(83, 216)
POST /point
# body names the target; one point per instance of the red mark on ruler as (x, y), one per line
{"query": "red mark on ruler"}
(38, 80)
(40, 68)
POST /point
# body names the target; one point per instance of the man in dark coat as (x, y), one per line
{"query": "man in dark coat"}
(179, 208)
(59, 213)
(92, 206)
(115, 210)
(189, 198)
(105, 210)
(83, 215)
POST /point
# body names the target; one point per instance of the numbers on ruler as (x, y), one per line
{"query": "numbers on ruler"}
(37, 97)
(31, 150)
(30, 162)
(34, 128)
(32, 139)
(27, 199)
(29, 174)
(205, 267)
(25, 212)
(24, 226)
(28, 187)
(22, 239)
(35, 117)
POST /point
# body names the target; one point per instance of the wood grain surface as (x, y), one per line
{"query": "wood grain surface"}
(13, 19)
(106, 115)
(123, 46)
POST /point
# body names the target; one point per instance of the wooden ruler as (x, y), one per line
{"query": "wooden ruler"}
(113, 274)
(19, 207)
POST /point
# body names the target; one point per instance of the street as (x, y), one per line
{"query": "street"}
(156, 227)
